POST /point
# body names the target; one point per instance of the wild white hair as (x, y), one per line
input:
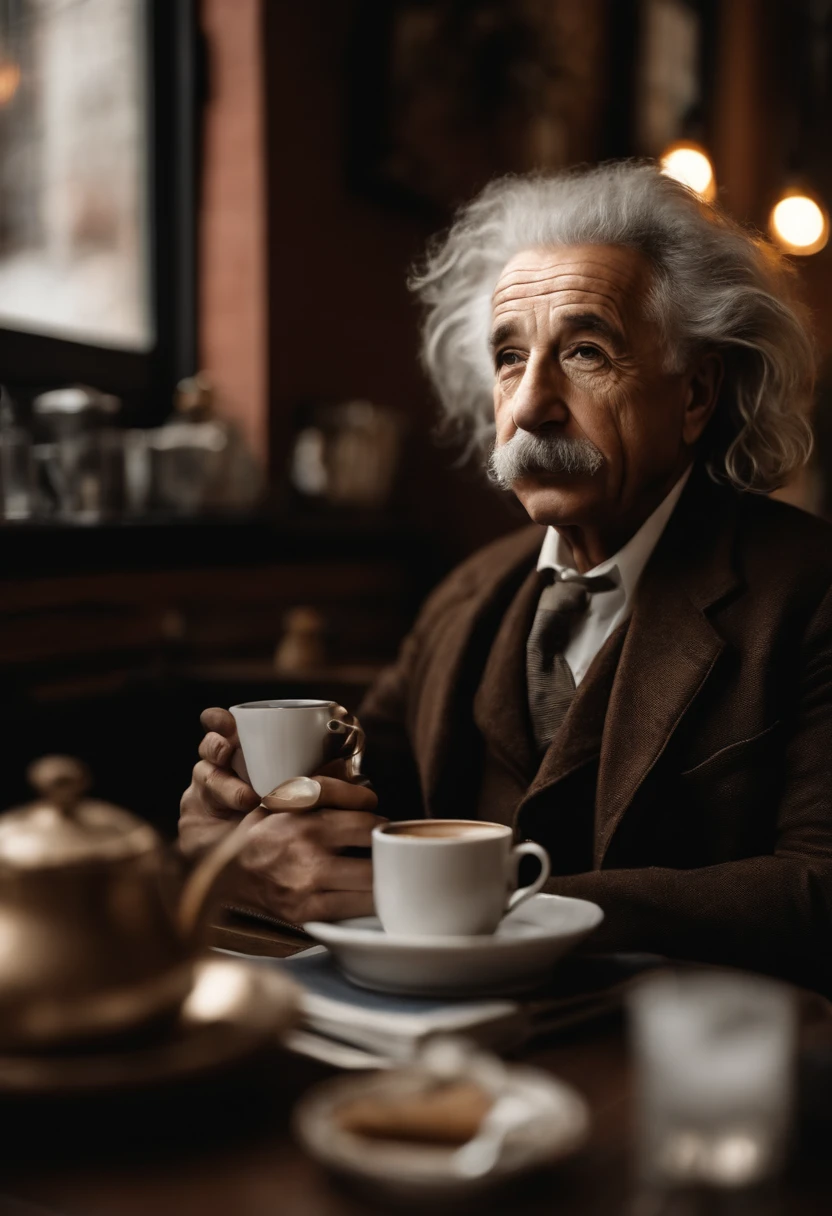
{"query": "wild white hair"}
(715, 287)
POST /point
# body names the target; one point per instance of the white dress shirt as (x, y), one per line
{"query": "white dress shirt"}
(607, 609)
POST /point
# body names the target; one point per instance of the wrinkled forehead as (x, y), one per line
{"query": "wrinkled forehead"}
(611, 281)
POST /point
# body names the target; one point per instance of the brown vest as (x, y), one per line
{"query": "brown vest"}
(511, 765)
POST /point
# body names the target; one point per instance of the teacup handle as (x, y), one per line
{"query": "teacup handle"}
(352, 750)
(529, 847)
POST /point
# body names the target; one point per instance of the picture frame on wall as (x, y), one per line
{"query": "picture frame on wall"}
(446, 96)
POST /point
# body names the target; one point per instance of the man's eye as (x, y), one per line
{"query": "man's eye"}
(587, 354)
(508, 358)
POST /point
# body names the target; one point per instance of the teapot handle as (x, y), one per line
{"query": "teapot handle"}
(200, 882)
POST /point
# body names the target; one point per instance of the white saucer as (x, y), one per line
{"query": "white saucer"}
(414, 1172)
(519, 956)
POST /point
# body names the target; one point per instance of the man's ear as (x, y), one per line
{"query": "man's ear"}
(702, 394)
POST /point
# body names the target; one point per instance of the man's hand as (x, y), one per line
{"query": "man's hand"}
(291, 868)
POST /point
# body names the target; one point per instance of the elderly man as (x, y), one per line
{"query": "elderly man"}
(643, 680)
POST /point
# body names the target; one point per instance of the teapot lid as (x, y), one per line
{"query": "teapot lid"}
(64, 828)
(44, 835)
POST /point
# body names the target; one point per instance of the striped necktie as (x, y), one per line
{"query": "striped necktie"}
(551, 685)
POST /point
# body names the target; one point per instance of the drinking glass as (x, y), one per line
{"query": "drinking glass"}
(18, 486)
(87, 474)
(714, 1056)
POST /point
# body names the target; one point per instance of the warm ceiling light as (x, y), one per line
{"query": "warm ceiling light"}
(799, 224)
(691, 165)
(9, 80)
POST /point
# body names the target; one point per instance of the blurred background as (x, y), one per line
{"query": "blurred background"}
(218, 478)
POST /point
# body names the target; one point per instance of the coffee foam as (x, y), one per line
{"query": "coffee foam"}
(437, 829)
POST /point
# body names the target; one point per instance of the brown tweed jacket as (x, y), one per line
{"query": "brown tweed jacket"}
(705, 723)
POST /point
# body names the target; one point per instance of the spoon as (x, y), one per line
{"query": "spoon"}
(509, 1113)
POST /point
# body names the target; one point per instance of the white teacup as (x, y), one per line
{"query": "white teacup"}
(290, 738)
(448, 877)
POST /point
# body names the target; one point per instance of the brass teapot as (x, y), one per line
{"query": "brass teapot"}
(89, 943)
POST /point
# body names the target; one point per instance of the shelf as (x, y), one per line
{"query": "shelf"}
(45, 548)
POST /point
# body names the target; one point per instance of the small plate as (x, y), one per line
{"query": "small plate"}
(415, 1172)
(518, 957)
(232, 1009)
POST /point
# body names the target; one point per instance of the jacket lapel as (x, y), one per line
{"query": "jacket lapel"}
(501, 709)
(557, 807)
(580, 736)
(501, 703)
(446, 738)
(671, 647)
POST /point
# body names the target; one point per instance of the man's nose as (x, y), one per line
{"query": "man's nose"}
(540, 396)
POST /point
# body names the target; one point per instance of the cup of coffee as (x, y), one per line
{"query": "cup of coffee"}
(291, 738)
(448, 877)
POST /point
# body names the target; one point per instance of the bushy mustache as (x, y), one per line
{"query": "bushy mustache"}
(526, 454)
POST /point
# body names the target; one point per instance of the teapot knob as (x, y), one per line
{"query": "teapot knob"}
(59, 780)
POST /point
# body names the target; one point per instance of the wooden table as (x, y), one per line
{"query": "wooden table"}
(227, 1151)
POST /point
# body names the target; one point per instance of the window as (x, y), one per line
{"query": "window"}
(97, 154)
(73, 179)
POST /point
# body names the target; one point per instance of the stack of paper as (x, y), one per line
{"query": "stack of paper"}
(352, 1027)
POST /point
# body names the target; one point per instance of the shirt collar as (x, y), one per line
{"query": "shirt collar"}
(625, 566)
